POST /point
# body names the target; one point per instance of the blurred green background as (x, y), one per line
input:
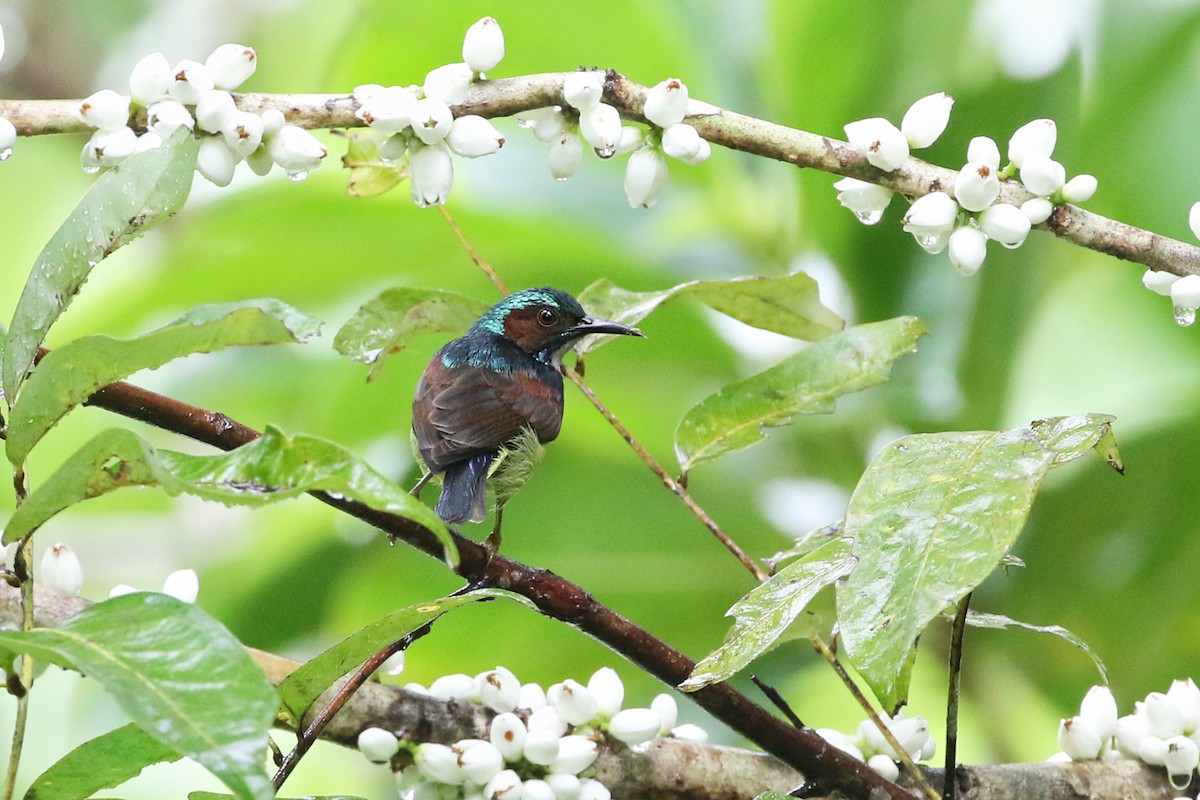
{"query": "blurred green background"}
(1045, 330)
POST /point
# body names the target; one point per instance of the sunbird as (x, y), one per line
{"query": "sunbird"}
(490, 399)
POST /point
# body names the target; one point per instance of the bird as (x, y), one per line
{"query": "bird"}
(490, 399)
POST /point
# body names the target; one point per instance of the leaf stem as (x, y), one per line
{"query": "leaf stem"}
(957, 630)
(479, 262)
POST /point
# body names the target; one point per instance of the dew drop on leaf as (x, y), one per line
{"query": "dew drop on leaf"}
(1185, 316)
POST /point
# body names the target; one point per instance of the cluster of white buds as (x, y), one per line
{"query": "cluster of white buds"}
(599, 125)
(421, 129)
(8, 133)
(1163, 730)
(869, 745)
(196, 96)
(182, 584)
(540, 745)
(61, 570)
(1183, 291)
(963, 224)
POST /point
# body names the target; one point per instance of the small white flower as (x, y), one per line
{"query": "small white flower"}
(1099, 709)
(1152, 750)
(483, 46)
(1129, 733)
(532, 697)
(600, 127)
(967, 247)
(147, 141)
(983, 149)
(498, 689)
(480, 761)
(507, 733)
(150, 79)
(1080, 189)
(430, 174)
(295, 150)
(1032, 140)
(273, 122)
(388, 111)
(378, 745)
(1162, 714)
(667, 709)
(666, 102)
(61, 569)
(690, 733)
(191, 79)
(926, 119)
(1159, 282)
(1043, 175)
(884, 766)
(431, 120)
(566, 154)
(437, 762)
(506, 785)
(1180, 758)
(1185, 295)
(565, 785)
(546, 123)
(884, 144)
(931, 216)
(541, 746)
(243, 132)
(606, 686)
(109, 148)
(681, 141)
(547, 718)
(120, 590)
(182, 584)
(702, 154)
(841, 741)
(976, 186)
(1194, 219)
(216, 161)
(536, 789)
(260, 161)
(1186, 695)
(448, 83)
(635, 725)
(867, 200)
(8, 137)
(592, 789)
(455, 686)
(575, 704)
(167, 116)
(632, 138)
(583, 90)
(214, 109)
(1079, 739)
(230, 65)
(472, 136)
(1006, 224)
(575, 754)
(1037, 210)
(646, 176)
(104, 110)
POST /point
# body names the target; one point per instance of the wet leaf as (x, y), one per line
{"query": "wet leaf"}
(120, 206)
(931, 518)
(385, 324)
(69, 375)
(767, 611)
(789, 305)
(269, 469)
(370, 175)
(979, 619)
(302, 687)
(101, 763)
(808, 382)
(177, 672)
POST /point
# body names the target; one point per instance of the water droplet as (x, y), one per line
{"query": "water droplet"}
(1010, 245)
(928, 241)
(91, 170)
(1185, 316)
(6, 154)
(561, 180)
(296, 177)
(605, 152)
(869, 217)
(526, 123)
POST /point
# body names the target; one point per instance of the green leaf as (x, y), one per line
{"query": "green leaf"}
(177, 672)
(72, 373)
(101, 763)
(273, 467)
(120, 206)
(385, 324)
(809, 382)
(932, 517)
(370, 175)
(766, 612)
(789, 305)
(980, 619)
(302, 687)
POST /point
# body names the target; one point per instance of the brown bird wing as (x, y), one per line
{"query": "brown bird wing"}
(463, 412)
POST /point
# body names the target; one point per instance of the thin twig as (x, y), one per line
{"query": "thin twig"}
(957, 630)
(777, 700)
(680, 491)
(479, 262)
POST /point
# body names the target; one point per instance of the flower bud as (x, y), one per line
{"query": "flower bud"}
(378, 745)
(1043, 175)
(498, 690)
(635, 725)
(1099, 709)
(930, 219)
(926, 119)
(1037, 210)
(1080, 189)
(1194, 219)
(483, 46)
(104, 110)
(583, 90)
(1163, 716)
(150, 80)
(575, 754)
(632, 138)
(968, 249)
(182, 584)
(431, 120)
(505, 785)
(841, 741)
(1180, 757)
(1129, 732)
(566, 154)
(1186, 696)
(455, 686)
(576, 704)
(243, 132)
(592, 789)
(230, 65)
(120, 590)
(600, 126)
(536, 789)
(214, 109)
(273, 122)
(216, 161)
(646, 176)
(532, 697)
(1159, 282)
(260, 161)
(565, 785)
(884, 766)
(983, 150)
(147, 141)
(388, 111)
(1032, 140)
(681, 141)
(688, 732)
(546, 123)
(167, 116)
(1152, 750)
(541, 747)
(8, 137)
(480, 761)
(296, 150)
(439, 763)
(547, 718)
(867, 200)
(1006, 224)
(448, 83)
(668, 711)
(606, 686)
(507, 733)
(666, 102)
(109, 148)
(976, 186)
(1079, 739)
(430, 174)
(883, 143)
(191, 79)
(394, 664)
(61, 569)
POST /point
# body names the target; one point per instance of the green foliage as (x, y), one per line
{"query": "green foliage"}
(101, 763)
(978, 619)
(181, 676)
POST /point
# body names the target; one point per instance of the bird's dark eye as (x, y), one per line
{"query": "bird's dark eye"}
(546, 317)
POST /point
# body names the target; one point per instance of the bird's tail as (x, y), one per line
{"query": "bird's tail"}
(464, 490)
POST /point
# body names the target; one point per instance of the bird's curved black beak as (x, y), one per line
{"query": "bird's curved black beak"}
(587, 327)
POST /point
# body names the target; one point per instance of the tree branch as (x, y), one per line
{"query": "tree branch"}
(507, 96)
